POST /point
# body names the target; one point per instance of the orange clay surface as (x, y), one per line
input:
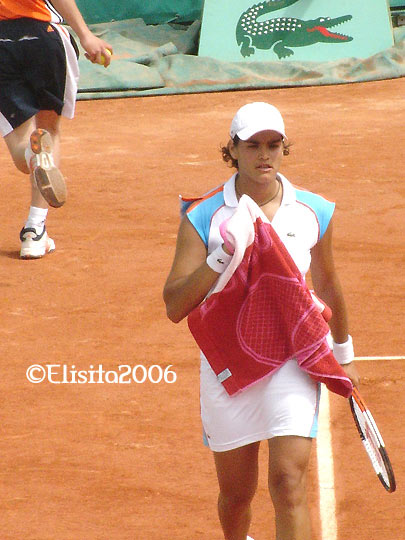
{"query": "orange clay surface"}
(107, 461)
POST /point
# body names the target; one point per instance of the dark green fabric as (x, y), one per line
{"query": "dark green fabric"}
(157, 60)
(151, 11)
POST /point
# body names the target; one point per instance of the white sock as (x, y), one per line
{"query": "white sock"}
(36, 218)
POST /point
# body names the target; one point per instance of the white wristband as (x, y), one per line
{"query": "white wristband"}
(218, 260)
(344, 352)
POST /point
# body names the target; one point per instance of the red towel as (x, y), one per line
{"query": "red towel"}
(261, 313)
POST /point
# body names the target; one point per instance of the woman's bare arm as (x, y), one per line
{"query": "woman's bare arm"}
(190, 278)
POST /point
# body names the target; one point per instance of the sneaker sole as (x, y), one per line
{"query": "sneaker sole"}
(51, 184)
(29, 253)
(48, 178)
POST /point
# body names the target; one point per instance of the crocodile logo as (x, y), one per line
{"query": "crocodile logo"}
(284, 32)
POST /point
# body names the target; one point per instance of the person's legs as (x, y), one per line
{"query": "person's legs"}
(35, 149)
(288, 464)
(51, 121)
(29, 142)
(237, 472)
(18, 141)
(47, 180)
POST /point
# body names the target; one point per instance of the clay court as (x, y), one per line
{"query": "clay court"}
(108, 461)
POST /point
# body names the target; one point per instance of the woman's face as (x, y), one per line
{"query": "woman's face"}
(259, 158)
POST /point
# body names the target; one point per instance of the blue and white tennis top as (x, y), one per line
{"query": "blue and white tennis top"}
(300, 221)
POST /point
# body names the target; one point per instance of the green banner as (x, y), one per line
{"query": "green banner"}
(298, 30)
(151, 11)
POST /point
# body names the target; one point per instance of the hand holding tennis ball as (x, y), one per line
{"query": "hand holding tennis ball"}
(103, 58)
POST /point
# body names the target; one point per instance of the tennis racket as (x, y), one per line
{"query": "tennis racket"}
(372, 441)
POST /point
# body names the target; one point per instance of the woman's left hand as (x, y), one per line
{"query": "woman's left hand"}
(352, 373)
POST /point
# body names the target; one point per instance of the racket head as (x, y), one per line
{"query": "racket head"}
(372, 441)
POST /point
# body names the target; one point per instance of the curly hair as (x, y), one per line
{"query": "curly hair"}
(226, 154)
(233, 163)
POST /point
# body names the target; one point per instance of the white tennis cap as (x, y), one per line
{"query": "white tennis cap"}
(255, 117)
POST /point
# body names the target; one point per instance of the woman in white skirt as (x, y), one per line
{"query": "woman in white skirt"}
(283, 407)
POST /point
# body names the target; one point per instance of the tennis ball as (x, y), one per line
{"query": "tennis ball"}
(103, 58)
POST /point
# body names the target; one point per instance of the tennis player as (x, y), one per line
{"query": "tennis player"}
(283, 407)
(38, 83)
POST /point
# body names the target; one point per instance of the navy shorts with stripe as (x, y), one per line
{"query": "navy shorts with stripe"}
(33, 69)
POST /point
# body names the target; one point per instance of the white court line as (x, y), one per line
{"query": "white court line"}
(379, 358)
(326, 477)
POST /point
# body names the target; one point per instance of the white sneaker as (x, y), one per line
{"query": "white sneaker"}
(47, 176)
(33, 245)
